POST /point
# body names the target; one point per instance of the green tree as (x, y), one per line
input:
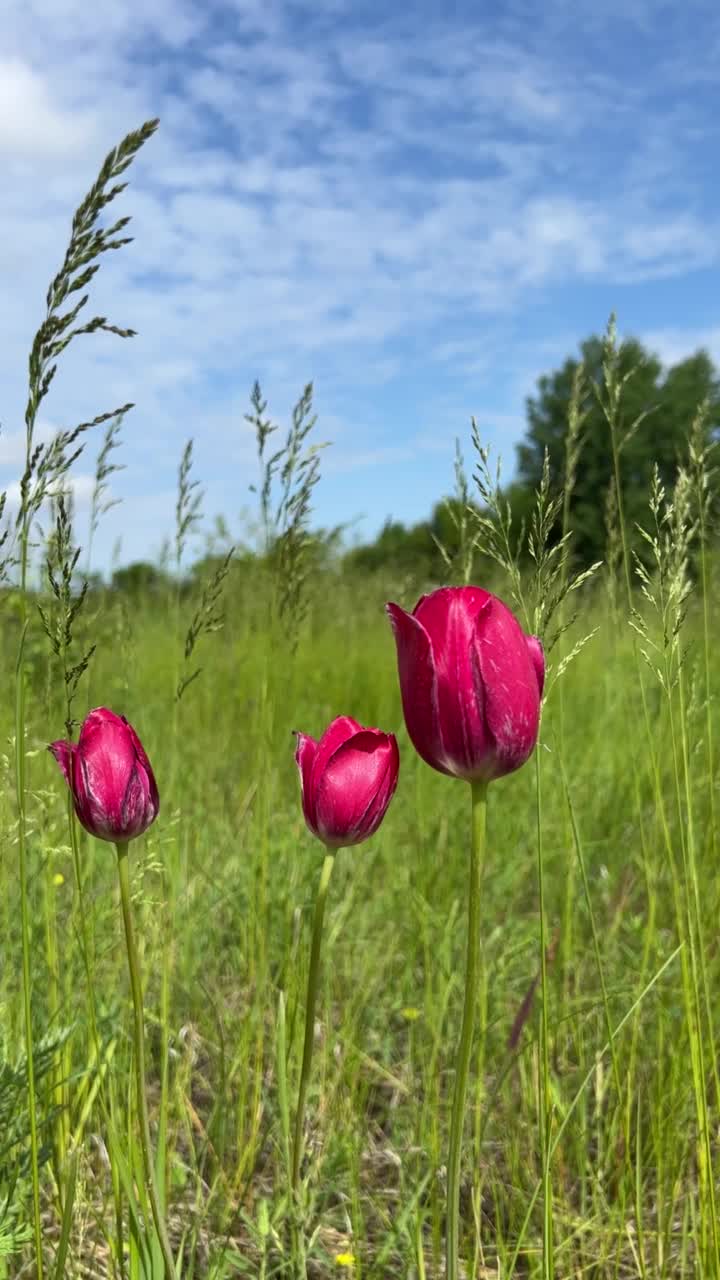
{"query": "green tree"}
(406, 550)
(412, 549)
(661, 403)
(140, 578)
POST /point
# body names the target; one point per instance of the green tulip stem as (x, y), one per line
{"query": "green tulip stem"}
(139, 1047)
(472, 971)
(310, 1013)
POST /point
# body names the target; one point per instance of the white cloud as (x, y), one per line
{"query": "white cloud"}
(674, 345)
(13, 444)
(679, 243)
(33, 123)
(356, 204)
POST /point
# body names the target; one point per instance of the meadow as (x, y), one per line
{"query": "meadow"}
(591, 1129)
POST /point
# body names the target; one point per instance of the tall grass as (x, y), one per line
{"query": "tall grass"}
(591, 1135)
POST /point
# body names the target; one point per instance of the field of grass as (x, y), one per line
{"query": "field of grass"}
(224, 884)
(591, 1140)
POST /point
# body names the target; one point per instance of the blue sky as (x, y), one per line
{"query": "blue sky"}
(421, 208)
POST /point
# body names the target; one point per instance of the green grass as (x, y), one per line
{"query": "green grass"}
(629, 1174)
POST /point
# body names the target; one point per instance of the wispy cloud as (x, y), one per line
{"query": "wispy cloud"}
(374, 200)
(673, 345)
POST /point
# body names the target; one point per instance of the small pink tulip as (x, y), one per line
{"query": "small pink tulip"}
(471, 682)
(348, 779)
(110, 777)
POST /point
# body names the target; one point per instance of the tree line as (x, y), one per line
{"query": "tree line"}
(655, 415)
(568, 430)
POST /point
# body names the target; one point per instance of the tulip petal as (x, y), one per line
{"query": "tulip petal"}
(110, 777)
(461, 694)
(96, 816)
(537, 654)
(449, 615)
(418, 686)
(305, 753)
(108, 754)
(356, 787)
(151, 794)
(510, 680)
(337, 732)
(63, 753)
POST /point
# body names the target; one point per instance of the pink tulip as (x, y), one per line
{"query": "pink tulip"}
(348, 779)
(110, 777)
(471, 682)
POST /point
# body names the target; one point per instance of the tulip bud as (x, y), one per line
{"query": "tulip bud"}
(348, 779)
(110, 777)
(471, 682)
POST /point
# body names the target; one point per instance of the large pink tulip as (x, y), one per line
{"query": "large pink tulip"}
(348, 779)
(471, 682)
(110, 777)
